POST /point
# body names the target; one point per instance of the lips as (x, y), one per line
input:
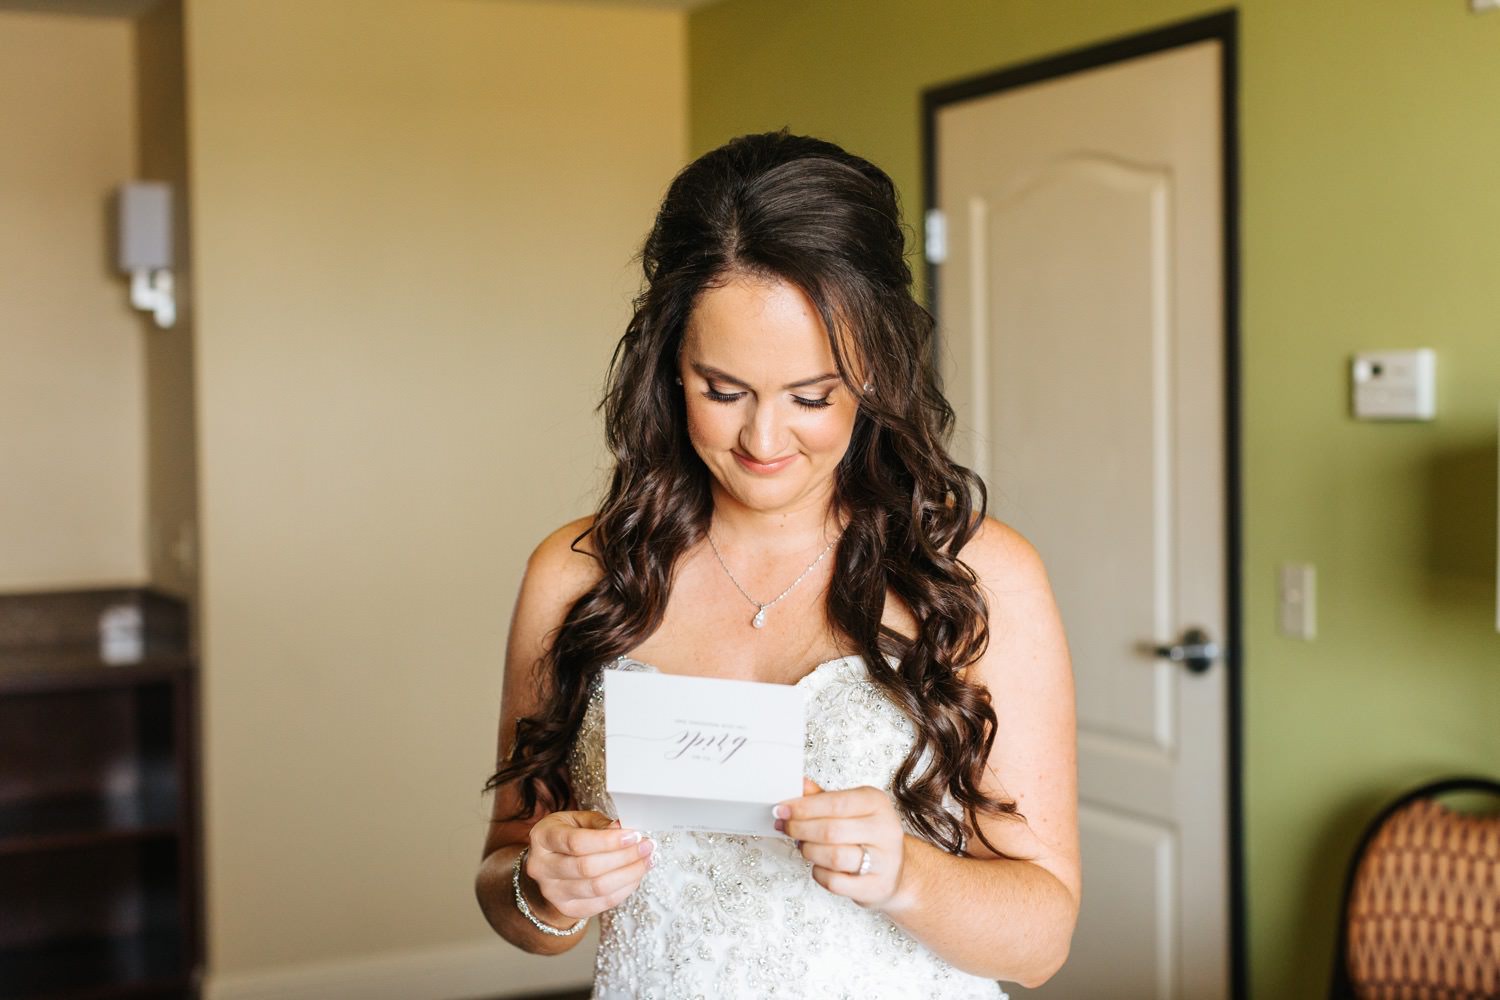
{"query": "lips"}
(765, 468)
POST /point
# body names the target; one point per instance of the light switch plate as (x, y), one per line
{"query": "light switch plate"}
(1297, 601)
(1395, 385)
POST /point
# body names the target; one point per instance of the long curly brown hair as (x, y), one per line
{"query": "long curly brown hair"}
(801, 209)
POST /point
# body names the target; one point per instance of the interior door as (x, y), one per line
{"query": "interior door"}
(1081, 306)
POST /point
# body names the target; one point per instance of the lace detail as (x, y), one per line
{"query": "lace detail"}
(730, 916)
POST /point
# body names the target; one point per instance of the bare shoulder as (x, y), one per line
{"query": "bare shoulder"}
(560, 570)
(1003, 559)
(564, 563)
(1026, 629)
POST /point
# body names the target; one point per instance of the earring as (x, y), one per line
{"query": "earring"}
(679, 380)
(868, 387)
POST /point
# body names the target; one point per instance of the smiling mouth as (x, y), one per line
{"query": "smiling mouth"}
(754, 466)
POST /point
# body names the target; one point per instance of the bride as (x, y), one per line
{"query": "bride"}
(783, 509)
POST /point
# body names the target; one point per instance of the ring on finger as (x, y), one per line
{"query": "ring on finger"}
(864, 861)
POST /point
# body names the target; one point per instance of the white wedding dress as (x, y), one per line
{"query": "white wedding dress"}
(731, 917)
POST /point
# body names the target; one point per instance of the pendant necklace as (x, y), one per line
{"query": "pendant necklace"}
(759, 621)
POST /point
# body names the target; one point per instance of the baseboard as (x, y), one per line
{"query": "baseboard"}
(458, 972)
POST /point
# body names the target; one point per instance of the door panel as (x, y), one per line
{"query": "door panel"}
(1081, 306)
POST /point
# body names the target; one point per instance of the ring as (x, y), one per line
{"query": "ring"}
(864, 861)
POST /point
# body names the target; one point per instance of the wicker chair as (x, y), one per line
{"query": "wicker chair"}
(1421, 909)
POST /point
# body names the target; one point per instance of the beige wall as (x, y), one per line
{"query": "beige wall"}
(72, 376)
(412, 222)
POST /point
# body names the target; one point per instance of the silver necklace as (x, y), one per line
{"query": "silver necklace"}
(759, 621)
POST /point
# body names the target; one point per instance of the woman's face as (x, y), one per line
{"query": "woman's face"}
(766, 410)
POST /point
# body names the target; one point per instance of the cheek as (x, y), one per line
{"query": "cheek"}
(829, 434)
(710, 423)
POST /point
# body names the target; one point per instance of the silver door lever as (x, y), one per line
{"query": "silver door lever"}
(1195, 651)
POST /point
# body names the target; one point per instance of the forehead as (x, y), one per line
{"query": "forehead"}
(758, 326)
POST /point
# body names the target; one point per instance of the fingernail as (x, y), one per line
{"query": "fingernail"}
(780, 825)
(648, 846)
(651, 860)
(630, 837)
(780, 811)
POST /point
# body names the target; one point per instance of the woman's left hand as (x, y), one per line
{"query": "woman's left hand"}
(833, 829)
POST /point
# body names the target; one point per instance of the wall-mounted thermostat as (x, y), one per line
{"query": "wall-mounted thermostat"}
(1395, 385)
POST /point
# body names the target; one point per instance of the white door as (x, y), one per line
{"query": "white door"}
(1081, 310)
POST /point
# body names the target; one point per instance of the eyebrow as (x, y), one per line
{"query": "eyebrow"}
(709, 371)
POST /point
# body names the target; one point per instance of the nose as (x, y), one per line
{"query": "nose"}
(762, 437)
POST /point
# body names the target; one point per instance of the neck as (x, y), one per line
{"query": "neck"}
(806, 526)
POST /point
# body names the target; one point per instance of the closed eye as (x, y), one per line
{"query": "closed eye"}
(730, 397)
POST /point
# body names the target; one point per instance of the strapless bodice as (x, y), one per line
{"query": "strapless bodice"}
(724, 916)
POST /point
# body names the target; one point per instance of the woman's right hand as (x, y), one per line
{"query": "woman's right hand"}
(582, 863)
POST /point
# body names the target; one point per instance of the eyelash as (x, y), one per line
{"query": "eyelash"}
(729, 397)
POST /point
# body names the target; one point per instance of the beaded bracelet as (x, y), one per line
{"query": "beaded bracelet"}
(515, 881)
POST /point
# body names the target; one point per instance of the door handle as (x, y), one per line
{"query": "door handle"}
(1195, 651)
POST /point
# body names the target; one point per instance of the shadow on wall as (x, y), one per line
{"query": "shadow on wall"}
(1323, 880)
(1461, 497)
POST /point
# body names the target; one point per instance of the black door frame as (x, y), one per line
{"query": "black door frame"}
(1223, 26)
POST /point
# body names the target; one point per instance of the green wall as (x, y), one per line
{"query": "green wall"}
(1370, 173)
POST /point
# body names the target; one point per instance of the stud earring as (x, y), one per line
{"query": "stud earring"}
(679, 380)
(868, 387)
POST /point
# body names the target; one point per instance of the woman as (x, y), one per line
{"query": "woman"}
(782, 497)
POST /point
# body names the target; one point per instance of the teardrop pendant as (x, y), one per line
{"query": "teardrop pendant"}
(759, 621)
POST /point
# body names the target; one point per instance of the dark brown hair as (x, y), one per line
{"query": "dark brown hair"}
(803, 210)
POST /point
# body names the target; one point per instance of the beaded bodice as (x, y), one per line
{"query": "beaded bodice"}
(730, 916)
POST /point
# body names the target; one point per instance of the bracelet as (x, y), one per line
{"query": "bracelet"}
(515, 881)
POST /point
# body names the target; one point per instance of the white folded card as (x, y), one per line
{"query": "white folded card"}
(701, 753)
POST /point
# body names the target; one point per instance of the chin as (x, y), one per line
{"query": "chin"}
(759, 493)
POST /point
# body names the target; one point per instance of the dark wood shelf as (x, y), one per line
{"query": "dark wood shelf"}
(100, 863)
(138, 966)
(86, 820)
(25, 670)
